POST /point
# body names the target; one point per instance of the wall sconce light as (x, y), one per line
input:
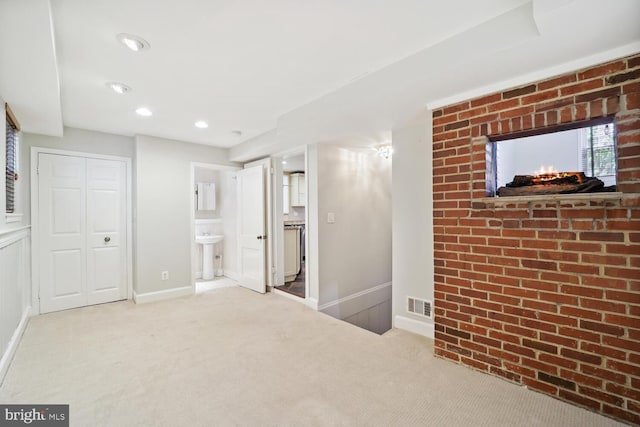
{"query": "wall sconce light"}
(385, 151)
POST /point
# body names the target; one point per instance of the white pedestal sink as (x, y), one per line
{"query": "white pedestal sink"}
(207, 242)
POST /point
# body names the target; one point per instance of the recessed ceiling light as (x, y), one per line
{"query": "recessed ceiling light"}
(284, 162)
(134, 43)
(201, 124)
(143, 111)
(118, 87)
(236, 133)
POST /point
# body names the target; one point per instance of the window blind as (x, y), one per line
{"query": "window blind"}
(11, 170)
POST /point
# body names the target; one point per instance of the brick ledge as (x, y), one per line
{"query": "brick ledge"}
(555, 197)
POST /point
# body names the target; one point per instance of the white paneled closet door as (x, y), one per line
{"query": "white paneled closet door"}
(81, 225)
(106, 236)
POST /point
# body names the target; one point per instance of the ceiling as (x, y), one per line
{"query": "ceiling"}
(282, 69)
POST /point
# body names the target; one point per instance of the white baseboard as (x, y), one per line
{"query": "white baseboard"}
(415, 326)
(351, 304)
(309, 302)
(232, 275)
(160, 295)
(312, 303)
(7, 357)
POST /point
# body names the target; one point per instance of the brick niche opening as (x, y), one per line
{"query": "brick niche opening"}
(544, 292)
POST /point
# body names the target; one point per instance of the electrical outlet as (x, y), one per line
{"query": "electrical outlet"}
(164, 275)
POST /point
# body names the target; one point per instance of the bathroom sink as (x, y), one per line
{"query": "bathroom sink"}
(205, 240)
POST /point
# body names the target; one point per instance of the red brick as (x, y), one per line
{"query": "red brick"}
(540, 346)
(602, 327)
(580, 378)
(595, 108)
(559, 298)
(457, 107)
(633, 100)
(540, 366)
(556, 339)
(621, 343)
(558, 319)
(580, 334)
(559, 361)
(602, 236)
(486, 100)
(621, 413)
(582, 291)
(603, 351)
(628, 297)
(539, 97)
(581, 87)
(624, 367)
(507, 114)
(557, 81)
(580, 313)
(602, 396)
(625, 273)
(519, 91)
(475, 364)
(622, 320)
(621, 390)
(566, 114)
(601, 70)
(503, 105)
(605, 374)
(540, 386)
(579, 268)
(583, 357)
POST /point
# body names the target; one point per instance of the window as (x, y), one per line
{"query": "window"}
(598, 150)
(588, 147)
(11, 170)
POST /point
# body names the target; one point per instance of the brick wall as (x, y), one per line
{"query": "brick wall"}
(542, 293)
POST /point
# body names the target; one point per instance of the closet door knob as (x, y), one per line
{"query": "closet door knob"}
(107, 239)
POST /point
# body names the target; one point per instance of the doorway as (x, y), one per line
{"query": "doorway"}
(81, 208)
(213, 227)
(291, 217)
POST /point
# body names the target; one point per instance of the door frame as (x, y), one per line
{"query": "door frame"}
(192, 229)
(35, 231)
(278, 243)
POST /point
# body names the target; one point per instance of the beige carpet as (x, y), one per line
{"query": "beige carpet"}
(234, 357)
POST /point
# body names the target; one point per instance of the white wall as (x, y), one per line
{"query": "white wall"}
(355, 251)
(412, 216)
(85, 141)
(15, 254)
(209, 176)
(3, 166)
(229, 201)
(163, 195)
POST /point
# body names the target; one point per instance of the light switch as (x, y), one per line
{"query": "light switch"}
(331, 217)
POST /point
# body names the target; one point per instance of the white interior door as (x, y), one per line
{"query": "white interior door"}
(62, 224)
(106, 231)
(251, 228)
(82, 231)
